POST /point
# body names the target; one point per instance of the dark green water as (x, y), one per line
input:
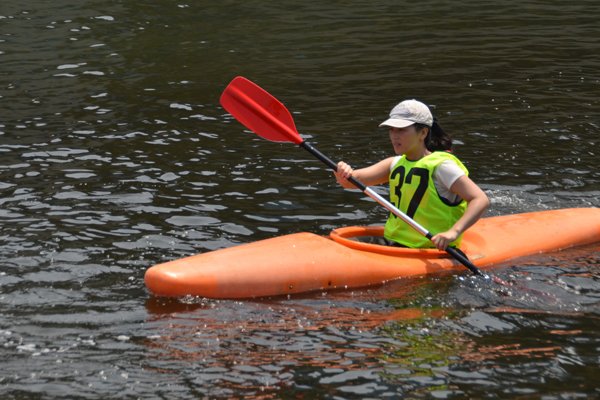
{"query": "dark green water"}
(116, 155)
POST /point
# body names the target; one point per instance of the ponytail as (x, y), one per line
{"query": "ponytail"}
(437, 139)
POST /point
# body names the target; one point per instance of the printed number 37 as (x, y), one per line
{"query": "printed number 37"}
(419, 192)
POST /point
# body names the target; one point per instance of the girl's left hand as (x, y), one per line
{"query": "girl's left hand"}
(442, 240)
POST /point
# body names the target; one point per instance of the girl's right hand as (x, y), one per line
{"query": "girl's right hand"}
(343, 173)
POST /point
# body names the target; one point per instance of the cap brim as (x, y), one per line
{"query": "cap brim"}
(397, 123)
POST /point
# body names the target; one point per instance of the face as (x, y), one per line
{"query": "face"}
(408, 140)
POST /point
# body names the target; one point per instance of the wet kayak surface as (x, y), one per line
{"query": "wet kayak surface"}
(305, 262)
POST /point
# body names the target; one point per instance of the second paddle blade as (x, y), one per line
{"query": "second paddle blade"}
(259, 111)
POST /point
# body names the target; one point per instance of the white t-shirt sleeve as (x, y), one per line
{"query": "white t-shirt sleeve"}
(394, 162)
(444, 177)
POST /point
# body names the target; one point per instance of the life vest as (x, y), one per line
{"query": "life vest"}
(413, 191)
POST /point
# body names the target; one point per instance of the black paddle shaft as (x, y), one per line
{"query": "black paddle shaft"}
(331, 164)
(453, 252)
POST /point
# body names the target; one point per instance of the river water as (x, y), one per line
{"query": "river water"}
(116, 155)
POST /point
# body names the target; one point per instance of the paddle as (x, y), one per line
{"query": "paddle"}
(267, 117)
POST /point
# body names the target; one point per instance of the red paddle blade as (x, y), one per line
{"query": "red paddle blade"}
(260, 112)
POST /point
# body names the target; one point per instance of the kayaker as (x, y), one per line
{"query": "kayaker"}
(427, 182)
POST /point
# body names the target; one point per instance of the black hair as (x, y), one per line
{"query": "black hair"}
(437, 139)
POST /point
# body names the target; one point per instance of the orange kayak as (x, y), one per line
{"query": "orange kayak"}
(305, 262)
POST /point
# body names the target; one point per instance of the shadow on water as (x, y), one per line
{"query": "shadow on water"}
(566, 281)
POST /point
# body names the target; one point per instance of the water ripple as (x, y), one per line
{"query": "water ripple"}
(117, 156)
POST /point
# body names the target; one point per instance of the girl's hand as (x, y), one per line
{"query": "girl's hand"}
(477, 203)
(343, 173)
(442, 240)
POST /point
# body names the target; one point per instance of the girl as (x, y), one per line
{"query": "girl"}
(427, 182)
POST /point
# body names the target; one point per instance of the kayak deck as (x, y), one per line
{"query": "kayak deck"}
(304, 262)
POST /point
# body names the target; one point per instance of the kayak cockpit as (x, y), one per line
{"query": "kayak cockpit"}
(346, 237)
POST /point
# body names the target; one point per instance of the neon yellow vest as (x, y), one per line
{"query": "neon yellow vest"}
(413, 191)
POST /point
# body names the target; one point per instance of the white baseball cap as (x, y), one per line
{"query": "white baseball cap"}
(407, 113)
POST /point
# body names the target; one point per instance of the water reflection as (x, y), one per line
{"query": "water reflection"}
(274, 346)
(355, 345)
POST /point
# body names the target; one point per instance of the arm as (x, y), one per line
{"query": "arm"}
(374, 175)
(477, 203)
